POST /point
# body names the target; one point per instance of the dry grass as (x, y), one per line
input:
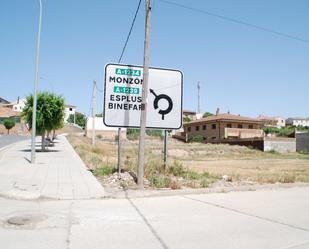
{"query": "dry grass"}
(239, 162)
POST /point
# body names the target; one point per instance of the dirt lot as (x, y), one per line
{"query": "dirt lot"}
(239, 163)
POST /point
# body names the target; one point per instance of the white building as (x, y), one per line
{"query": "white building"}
(102, 130)
(18, 105)
(68, 110)
(274, 122)
(298, 121)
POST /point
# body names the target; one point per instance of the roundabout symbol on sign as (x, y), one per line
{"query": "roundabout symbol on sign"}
(160, 97)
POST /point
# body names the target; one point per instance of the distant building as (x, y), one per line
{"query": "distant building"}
(3, 101)
(20, 127)
(192, 115)
(102, 130)
(68, 110)
(298, 121)
(223, 127)
(272, 122)
(18, 105)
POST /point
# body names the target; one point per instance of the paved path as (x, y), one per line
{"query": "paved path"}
(58, 174)
(9, 139)
(264, 219)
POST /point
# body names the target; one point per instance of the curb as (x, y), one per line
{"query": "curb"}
(168, 192)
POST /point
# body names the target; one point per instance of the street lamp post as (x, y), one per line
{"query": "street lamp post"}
(36, 86)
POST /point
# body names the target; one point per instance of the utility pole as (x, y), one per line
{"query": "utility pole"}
(37, 61)
(93, 111)
(198, 97)
(141, 152)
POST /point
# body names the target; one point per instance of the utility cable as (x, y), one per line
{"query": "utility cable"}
(129, 34)
(229, 19)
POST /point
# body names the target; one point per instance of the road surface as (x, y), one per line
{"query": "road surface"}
(9, 139)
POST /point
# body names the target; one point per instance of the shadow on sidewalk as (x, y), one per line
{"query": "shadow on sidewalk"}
(39, 150)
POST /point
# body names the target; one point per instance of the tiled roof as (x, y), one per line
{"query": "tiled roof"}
(268, 118)
(224, 117)
(188, 111)
(8, 112)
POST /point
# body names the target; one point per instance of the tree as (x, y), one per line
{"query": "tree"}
(207, 114)
(186, 119)
(9, 124)
(80, 119)
(49, 116)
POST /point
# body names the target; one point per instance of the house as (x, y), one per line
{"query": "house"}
(191, 114)
(272, 122)
(3, 101)
(222, 127)
(102, 130)
(298, 121)
(18, 105)
(8, 113)
(20, 127)
(68, 110)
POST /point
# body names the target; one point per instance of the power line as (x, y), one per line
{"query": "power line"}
(229, 19)
(129, 34)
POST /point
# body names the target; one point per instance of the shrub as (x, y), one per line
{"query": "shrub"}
(132, 134)
(186, 119)
(9, 124)
(205, 174)
(159, 181)
(103, 171)
(154, 132)
(197, 139)
(204, 183)
(176, 169)
(191, 175)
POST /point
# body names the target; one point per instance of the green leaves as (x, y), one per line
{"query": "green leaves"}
(50, 112)
(9, 124)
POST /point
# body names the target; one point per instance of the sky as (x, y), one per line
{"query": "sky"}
(241, 69)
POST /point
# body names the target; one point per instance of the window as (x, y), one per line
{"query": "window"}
(213, 126)
(204, 127)
(229, 125)
(239, 126)
(251, 126)
(197, 128)
(214, 138)
(189, 129)
(71, 109)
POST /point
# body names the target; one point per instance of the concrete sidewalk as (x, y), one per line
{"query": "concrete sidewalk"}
(57, 174)
(264, 219)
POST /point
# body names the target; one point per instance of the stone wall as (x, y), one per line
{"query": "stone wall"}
(282, 145)
(302, 142)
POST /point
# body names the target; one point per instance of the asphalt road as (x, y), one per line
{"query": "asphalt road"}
(268, 219)
(9, 139)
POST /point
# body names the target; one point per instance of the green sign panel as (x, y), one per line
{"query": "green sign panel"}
(131, 72)
(128, 90)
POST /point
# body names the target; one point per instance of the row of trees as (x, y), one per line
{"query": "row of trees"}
(49, 115)
(79, 119)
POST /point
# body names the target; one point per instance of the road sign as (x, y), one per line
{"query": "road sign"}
(123, 97)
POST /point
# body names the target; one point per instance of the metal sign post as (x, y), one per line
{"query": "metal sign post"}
(165, 148)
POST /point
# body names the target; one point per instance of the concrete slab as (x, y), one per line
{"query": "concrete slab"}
(210, 221)
(58, 174)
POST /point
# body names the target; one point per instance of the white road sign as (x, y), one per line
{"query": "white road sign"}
(123, 97)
